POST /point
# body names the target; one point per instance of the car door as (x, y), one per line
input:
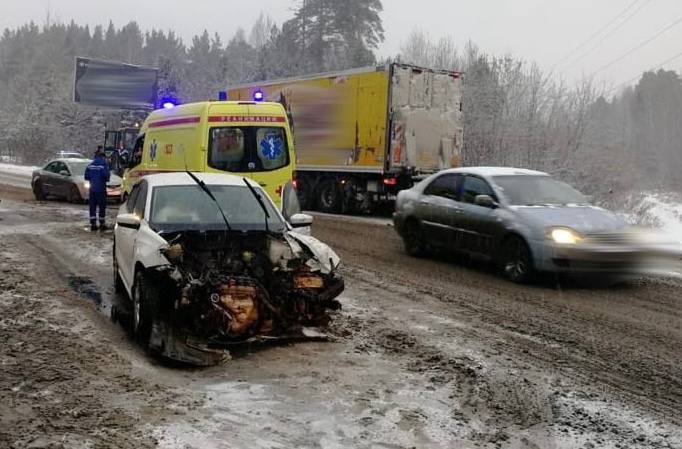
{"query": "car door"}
(125, 239)
(478, 223)
(438, 207)
(62, 182)
(48, 178)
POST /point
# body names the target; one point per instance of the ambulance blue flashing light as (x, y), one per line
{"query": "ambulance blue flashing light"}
(168, 105)
(258, 95)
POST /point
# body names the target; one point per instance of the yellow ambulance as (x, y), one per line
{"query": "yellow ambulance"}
(247, 138)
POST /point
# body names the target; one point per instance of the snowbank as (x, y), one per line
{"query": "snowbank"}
(659, 210)
(18, 169)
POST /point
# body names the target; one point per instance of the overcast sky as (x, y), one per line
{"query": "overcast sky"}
(536, 30)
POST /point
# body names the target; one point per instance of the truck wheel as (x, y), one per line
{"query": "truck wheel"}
(328, 196)
(305, 194)
(516, 260)
(38, 191)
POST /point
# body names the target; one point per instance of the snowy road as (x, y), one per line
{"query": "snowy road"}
(426, 354)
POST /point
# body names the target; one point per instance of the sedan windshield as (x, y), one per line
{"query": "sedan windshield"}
(188, 207)
(534, 190)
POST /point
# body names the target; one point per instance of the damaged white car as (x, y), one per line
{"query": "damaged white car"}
(208, 262)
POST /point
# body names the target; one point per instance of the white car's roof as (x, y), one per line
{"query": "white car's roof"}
(74, 159)
(182, 178)
(495, 171)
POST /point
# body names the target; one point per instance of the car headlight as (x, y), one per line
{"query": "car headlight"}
(564, 236)
(86, 184)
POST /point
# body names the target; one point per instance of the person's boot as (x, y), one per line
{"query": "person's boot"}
(102, 226)
(93, 227)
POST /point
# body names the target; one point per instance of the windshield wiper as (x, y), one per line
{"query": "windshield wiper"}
(260, 201)
(210, 194)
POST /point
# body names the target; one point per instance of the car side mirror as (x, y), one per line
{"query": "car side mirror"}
(301, 223)
(64, 173)
(485, 201)
(130, 221)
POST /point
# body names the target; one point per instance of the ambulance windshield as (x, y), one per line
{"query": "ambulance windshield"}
(247, 149)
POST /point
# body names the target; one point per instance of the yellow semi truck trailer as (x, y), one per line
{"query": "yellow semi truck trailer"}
(362, 135)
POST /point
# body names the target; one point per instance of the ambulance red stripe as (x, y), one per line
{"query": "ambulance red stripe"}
(175, 121)
(246, 118)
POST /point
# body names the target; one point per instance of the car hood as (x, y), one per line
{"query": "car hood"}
(584, 219)
(324, 258)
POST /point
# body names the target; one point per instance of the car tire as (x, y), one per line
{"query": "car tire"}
(145, 296)
(516, 260)
(328, 196)
(119, 287)
(74, 195)
(413, 239)
(38, 191)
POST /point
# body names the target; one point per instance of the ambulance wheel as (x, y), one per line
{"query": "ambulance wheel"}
(328, 196)
(75, 195)
(38, 191)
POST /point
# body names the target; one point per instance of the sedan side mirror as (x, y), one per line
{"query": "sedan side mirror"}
(64, 173)
(301, 223)
(485, 201)
(130, 221)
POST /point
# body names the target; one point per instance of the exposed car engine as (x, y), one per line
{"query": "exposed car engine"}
(222, 288)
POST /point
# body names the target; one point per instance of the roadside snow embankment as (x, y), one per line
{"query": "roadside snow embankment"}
(18, 169)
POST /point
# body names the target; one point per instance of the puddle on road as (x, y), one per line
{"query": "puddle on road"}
(85, 287)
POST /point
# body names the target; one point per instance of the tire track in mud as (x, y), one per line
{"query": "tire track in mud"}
(603, 341)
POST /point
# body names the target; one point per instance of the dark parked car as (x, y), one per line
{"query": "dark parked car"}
(524, 220)
(63, 178)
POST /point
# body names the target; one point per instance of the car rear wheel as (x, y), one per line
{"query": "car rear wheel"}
(516, 260)
(414, 239)
(38, 191)
(119, 288)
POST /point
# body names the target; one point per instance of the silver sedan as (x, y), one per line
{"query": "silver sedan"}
(524, 220)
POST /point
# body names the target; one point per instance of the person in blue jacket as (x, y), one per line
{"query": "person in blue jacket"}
(98, 175)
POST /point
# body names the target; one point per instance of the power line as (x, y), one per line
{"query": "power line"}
(629, 52)
(595, 34)
(613, 30)
(679, 55)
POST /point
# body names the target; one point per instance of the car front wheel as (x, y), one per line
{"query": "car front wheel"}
(516, 260)
(38, 191)
(414, 239)
(144, 299)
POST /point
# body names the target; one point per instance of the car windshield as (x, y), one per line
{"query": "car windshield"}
(534, 190)
(78, 168)
(248, 148)
(188, 207)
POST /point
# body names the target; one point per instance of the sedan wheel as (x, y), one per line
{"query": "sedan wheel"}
(142, 294)
(413, 239)
(118, 282)
(74, 195)
(517, 262)
(38, 191)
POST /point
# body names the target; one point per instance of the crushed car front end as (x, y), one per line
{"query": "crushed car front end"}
(222, 288)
